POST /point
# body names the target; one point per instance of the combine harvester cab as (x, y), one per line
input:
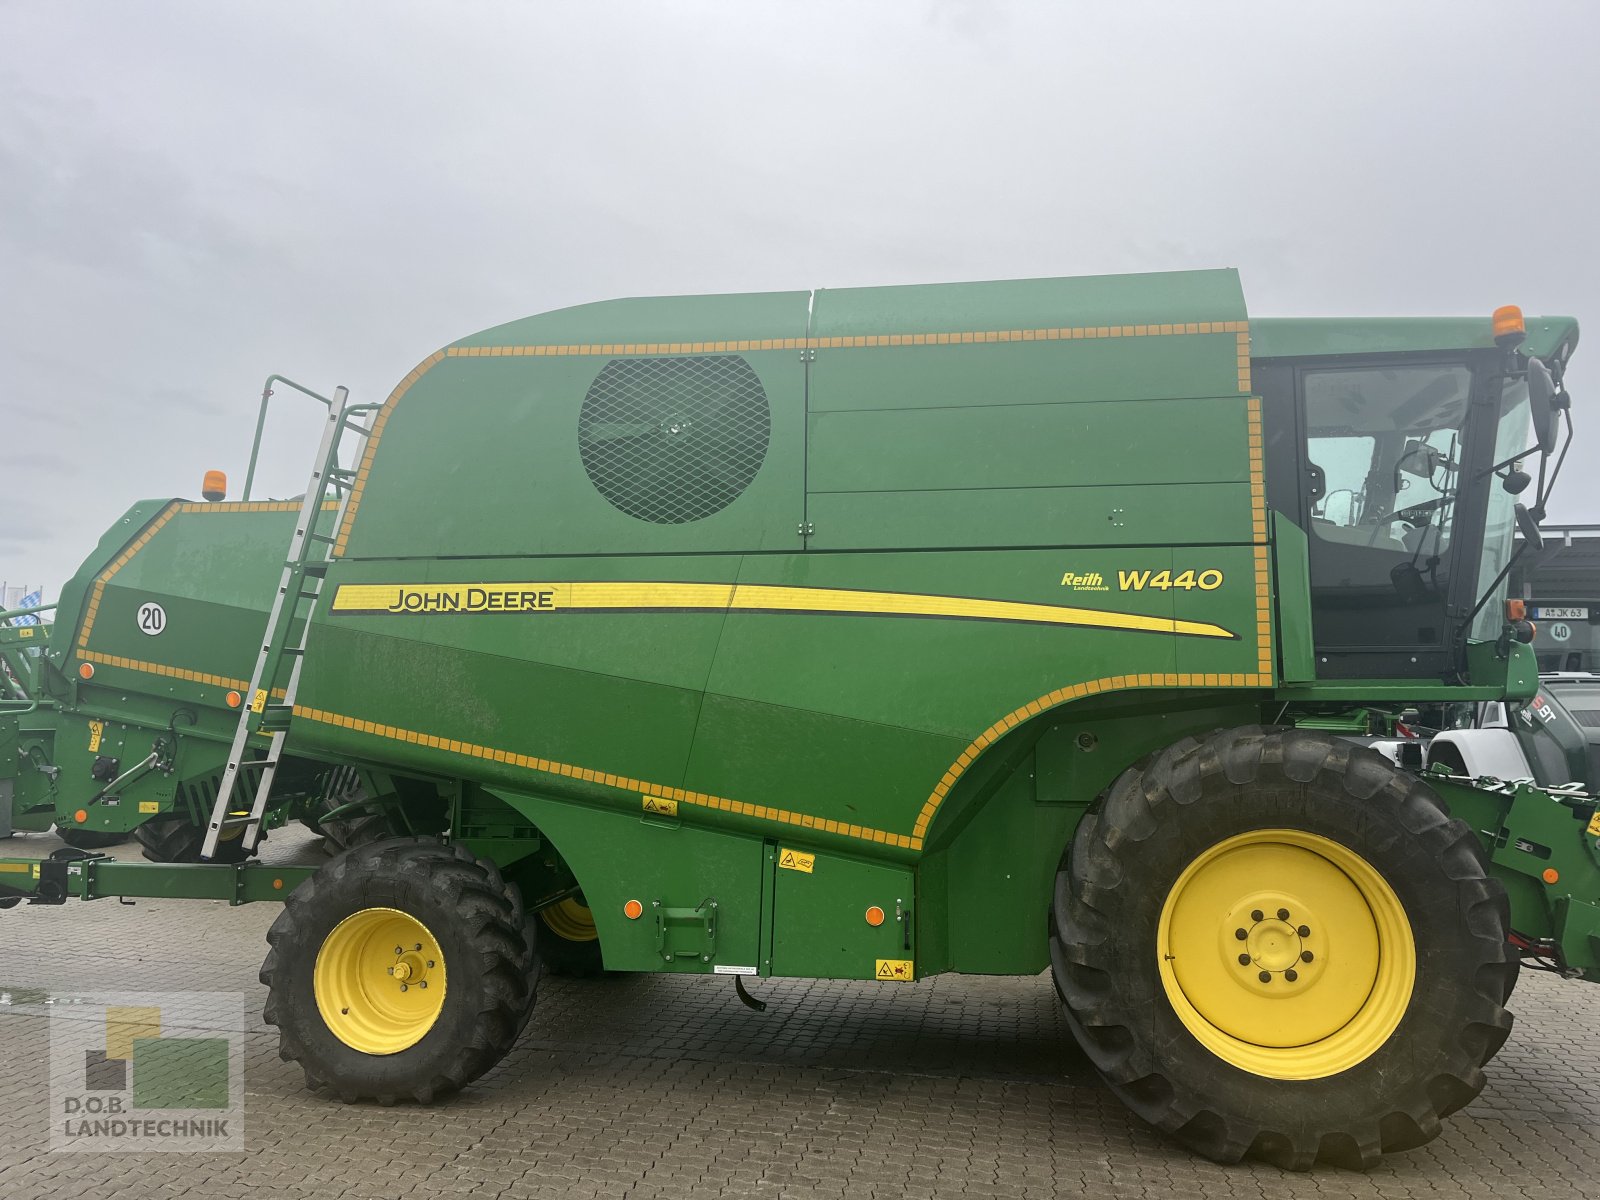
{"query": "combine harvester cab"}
(877, 633)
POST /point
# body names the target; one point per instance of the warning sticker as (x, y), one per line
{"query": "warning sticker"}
(97, 730)
(797, 860)
(1594, 824)
(259, 702)
(897, 969)
(660, 805)
(149, 806)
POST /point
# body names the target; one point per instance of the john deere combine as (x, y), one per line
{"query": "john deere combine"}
(865, 634)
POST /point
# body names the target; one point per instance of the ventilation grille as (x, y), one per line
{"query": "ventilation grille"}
(670, 440)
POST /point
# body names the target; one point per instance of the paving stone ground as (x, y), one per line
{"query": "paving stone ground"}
(666, 1087)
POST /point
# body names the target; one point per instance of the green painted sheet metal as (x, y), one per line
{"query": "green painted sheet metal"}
(1299, 337)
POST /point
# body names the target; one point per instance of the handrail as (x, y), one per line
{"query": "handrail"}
(261, 421)
(22, 612)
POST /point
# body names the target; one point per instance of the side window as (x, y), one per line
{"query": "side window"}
(1383, 448)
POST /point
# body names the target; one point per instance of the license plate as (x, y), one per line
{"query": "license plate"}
(1543, 613)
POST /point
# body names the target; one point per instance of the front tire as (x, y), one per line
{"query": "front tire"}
(1376, 946)
(399, 970)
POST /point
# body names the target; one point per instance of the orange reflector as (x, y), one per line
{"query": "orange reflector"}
(215, 486)
(85, 670)
(1509, 329)
(1516, 610)
(1551, 875)
(633, 910)
(81, 816)
(277, 885)
(234, 699)
(874, 916)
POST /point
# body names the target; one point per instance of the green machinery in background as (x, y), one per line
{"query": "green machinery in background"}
(864, 634)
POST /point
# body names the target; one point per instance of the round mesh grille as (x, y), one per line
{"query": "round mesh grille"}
(670, 440)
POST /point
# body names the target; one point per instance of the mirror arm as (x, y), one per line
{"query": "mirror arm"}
(1546, 487)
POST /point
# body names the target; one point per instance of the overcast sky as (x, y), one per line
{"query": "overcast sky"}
(193, 195)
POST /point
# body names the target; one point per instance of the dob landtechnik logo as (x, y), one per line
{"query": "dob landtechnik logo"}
(147, 1072)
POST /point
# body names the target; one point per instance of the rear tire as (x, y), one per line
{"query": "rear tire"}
(174, 839)
(1355, 1051)
(568, 943)
(335, 987)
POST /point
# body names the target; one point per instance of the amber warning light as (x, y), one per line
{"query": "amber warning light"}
(1509, 328)
(215, 486)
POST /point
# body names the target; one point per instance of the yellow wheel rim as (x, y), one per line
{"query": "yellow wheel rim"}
(570, 920)
(1286, 954)
(379, 981)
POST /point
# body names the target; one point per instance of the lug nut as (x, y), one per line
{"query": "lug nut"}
(1306, 956)
(1244, 960)
(424, 983)
(1283, 914)
(398, 951)
(1265, 977)
(1257, 915)
(404, 987)
(1304, 931)
(391, 970)
(1291, 975)
(430, 962)
(1240, 934)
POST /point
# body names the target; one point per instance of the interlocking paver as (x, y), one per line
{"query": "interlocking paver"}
(665, 1087)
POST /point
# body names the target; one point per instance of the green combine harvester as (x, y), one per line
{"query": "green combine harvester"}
(862, 634)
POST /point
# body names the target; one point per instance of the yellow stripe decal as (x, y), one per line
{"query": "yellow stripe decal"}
(415, 598)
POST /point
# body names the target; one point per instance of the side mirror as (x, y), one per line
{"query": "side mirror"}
(1529, 528)
(1541, 400)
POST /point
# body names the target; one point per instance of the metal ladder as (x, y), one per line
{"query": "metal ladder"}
(299, 589)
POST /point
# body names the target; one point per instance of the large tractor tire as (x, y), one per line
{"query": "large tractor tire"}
(569, 944)
(175, 839)
(89, 839)
(400, 970)
(1278, 944)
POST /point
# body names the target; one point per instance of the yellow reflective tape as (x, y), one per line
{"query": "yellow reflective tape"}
(15, 868)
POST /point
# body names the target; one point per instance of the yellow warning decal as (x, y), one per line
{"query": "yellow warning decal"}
(899, 970)
(149, 806)
(661, 806)
(97, 730)
(258, 702)
(795, 860)
(24, 632)
(1594, 824)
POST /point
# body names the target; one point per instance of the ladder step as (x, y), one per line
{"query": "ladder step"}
(259, 764)
(316, 568)
(234, 822)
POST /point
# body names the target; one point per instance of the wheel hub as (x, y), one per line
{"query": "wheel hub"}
(1270, 938)
(1286, 954)
(380, 980)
